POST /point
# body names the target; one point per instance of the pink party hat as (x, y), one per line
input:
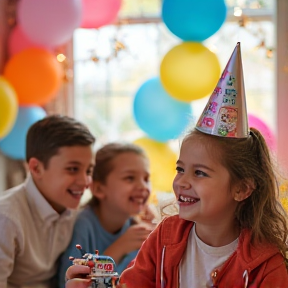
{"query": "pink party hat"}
(225, 114)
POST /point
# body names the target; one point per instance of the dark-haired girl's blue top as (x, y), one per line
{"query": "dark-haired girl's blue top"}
(89, 233)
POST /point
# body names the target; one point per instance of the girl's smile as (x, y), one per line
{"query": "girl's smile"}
(186, 200)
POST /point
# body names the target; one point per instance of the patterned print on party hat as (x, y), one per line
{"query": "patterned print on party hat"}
(225, 114)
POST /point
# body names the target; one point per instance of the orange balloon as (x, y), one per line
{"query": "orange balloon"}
(35, 74)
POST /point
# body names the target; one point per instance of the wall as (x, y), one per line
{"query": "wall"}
(281, 78)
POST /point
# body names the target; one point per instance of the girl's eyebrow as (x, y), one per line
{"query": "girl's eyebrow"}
(203, 166)
(197, 166)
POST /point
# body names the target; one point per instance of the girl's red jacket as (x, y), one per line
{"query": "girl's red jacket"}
(157, 263)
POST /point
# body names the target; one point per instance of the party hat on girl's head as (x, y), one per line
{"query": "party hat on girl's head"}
(225, 114)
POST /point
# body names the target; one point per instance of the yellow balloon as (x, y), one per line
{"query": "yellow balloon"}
(162, 163)
(8, 107)
(189, 71)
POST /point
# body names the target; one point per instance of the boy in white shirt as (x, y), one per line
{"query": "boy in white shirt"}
(37, 217)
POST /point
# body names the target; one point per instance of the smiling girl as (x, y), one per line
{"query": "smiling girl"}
(230, 231)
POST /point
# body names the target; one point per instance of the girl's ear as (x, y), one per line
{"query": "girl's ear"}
(244, 190)
(97, 190)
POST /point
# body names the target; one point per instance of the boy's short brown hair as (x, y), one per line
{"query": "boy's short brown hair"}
(46, 136)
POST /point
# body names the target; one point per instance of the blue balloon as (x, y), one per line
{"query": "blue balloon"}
(159, 115)
(14, 144)
(194, 20)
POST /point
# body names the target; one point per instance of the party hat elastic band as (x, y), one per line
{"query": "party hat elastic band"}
(225, 114)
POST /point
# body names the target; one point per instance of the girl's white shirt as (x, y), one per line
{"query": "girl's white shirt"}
(200, 259)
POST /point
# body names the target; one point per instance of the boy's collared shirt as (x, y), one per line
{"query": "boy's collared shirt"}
(33, 235)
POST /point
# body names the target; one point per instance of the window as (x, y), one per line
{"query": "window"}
(112, 62)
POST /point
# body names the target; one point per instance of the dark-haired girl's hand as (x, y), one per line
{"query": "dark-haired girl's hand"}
(130, 241)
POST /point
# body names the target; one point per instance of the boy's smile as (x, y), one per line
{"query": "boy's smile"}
(76, 194)
(66, 176)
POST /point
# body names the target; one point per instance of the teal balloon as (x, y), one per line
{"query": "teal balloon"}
(159, 115)
(194, 20)
(14, 144)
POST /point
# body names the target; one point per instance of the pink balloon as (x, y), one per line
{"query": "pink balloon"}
(97, 13)
(49, 22)
(18, 42)
(257, 123)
